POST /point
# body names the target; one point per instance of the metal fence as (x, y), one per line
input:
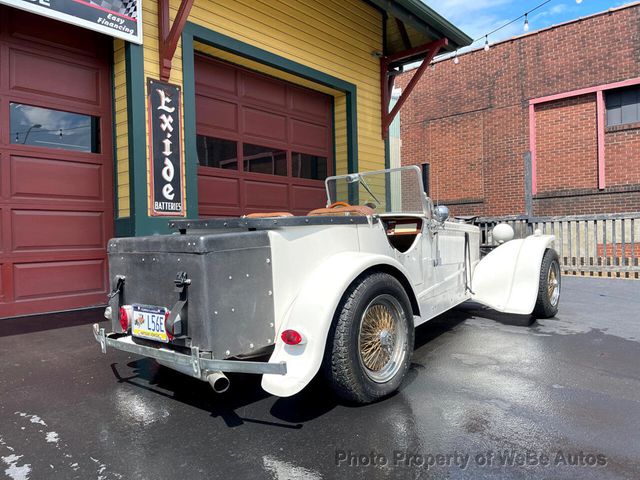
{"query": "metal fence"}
(589, 245)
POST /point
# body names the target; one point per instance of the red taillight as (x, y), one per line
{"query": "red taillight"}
(124, 319)
(291, 337)
(168, 328)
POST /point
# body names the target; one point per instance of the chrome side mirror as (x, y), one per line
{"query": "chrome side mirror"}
(441, 213)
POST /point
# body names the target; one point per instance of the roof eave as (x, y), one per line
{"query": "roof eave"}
(425, 20)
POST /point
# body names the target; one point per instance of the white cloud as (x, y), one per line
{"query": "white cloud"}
(551, 12)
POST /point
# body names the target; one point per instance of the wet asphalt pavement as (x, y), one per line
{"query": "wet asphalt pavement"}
(491, 396)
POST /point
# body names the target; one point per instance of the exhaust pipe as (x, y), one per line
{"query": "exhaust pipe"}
(218, 381)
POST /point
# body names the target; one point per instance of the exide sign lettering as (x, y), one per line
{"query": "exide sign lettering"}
(166, 159)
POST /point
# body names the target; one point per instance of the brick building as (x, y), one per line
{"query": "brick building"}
(560, 106)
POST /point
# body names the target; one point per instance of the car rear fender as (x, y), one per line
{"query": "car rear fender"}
(507, 279)
(311, 314)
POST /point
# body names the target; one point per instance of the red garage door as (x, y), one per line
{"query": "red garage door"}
(55, 164)
(263, 144)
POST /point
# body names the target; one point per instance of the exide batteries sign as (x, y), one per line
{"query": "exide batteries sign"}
(165, 149)
(116, 18)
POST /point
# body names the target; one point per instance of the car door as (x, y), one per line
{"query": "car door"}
(443, 267)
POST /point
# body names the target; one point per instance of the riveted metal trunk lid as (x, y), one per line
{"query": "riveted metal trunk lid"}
(229, 309)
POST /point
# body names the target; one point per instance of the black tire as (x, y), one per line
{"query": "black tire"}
(387, 308)
(548, 291)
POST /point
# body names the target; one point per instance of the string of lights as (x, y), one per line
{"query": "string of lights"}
(486, 36)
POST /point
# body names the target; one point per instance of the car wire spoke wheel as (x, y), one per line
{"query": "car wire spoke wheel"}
(549, 288)
(382, 339)
(553, 284)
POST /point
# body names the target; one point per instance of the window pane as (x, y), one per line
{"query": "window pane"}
(629, 106)
(271, 161)
(309, 166)
(614, 116)
(217, 153)
(48, 128)
(623, 106)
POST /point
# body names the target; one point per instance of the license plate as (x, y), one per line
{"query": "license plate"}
(148, 322)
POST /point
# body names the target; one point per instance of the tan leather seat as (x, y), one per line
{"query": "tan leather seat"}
(339, 211)
(268, 215)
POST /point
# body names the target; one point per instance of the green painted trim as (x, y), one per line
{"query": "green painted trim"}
(232, 45)
(387, 153)
(123, 227)
(189, 111)
(137, 135)
(215, 39)
(333, 133)
(352, 132)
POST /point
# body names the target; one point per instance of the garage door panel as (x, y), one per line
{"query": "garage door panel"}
(219, 212)
(221, 191)
(307, 198)
(35, 29)
(33, 177)
(52, 230)
(57, 191)
(278, 123)
(307, 134)
(263, 89)
(215, 76)
(53, 279)
(63, 79)
(262, 194)
(216, 114)
(309, 104)
(264, 124)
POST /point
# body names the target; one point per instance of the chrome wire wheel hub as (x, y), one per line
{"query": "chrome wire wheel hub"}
(553, 283)
(382, 338)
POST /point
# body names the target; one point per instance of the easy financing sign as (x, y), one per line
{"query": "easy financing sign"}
(116, 18)
(167, 197)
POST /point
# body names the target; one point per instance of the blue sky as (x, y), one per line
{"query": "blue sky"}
(478, 17)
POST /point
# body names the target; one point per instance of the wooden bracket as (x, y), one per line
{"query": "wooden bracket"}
(403, 33)
(168, 37)
(388, 70)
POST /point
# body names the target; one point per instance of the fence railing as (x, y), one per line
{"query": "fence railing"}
(591, 245)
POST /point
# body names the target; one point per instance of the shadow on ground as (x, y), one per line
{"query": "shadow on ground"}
(313, 402)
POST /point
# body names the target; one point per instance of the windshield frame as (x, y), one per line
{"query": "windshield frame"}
(361, 178)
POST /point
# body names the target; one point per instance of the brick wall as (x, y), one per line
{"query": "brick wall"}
(567, 144)
(471, 121)
(622, 165)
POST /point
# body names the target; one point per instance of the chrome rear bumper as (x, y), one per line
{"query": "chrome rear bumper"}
(199, 366)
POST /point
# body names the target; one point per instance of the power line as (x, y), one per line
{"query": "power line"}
(41, 130)
(525, 15)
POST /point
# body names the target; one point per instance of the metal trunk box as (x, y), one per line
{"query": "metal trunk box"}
(229, 309)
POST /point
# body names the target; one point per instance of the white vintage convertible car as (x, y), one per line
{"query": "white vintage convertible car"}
(339, 291)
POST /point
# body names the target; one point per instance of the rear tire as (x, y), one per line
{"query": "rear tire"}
(549, 287)
(370, 342)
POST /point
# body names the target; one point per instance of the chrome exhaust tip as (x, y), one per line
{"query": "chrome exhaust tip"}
(218, 381)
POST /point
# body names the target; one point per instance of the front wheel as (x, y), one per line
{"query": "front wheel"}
(549, 287)
(371, 340)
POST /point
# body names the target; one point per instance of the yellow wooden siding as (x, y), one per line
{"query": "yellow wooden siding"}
(333, 36)
(121, 130)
